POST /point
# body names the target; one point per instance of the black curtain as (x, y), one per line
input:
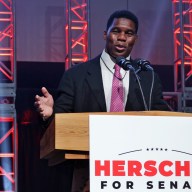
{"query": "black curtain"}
(34, 174)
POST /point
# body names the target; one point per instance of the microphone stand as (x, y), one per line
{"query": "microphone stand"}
(126, 65)
(141, 90)
(131, 68)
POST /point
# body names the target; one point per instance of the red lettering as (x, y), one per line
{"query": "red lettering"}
(150, 168)
(105, 168)
(162, 170)
(185, 168)
(118, 168)
(134, 168)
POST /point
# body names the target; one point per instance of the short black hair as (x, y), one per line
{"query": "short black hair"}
(123, 14)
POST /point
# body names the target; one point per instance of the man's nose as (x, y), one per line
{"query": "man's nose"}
(122, 36)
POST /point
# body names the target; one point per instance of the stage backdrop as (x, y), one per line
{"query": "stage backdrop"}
(40, 31)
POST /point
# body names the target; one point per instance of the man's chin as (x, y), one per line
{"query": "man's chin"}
(120, 55)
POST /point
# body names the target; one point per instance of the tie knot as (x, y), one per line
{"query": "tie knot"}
(117, 67)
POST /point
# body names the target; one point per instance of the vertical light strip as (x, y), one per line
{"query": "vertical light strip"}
(77, 32)
(8, 152)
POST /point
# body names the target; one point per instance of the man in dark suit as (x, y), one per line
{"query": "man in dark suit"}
(87, 87)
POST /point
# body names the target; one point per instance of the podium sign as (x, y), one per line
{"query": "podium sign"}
(140, 153)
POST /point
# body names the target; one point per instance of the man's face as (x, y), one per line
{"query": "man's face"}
(120, 37)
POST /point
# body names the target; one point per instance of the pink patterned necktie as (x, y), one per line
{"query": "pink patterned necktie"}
(117, 91)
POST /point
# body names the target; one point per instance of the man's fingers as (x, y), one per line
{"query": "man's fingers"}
(37, 97)
(43, 104)
(45, 92)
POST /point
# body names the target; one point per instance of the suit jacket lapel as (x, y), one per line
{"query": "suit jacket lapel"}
(94, 79)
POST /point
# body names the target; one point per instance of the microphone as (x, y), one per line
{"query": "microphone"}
(124, 63)
(144, 65)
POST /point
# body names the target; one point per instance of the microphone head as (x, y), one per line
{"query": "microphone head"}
(120, 59)
(124, 63)
(143, 64)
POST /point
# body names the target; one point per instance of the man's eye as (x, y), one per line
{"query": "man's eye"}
(130, 33)
(115, 31)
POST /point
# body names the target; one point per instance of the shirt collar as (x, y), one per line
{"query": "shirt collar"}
(108, 61)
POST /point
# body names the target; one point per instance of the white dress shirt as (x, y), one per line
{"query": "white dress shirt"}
(107, 71)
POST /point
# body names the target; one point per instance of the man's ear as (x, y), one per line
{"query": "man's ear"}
(105, 35)
(136, 37)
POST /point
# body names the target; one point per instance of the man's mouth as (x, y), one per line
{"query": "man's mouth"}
(120, 47)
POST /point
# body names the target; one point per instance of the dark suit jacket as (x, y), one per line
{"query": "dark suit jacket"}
(81, 90)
